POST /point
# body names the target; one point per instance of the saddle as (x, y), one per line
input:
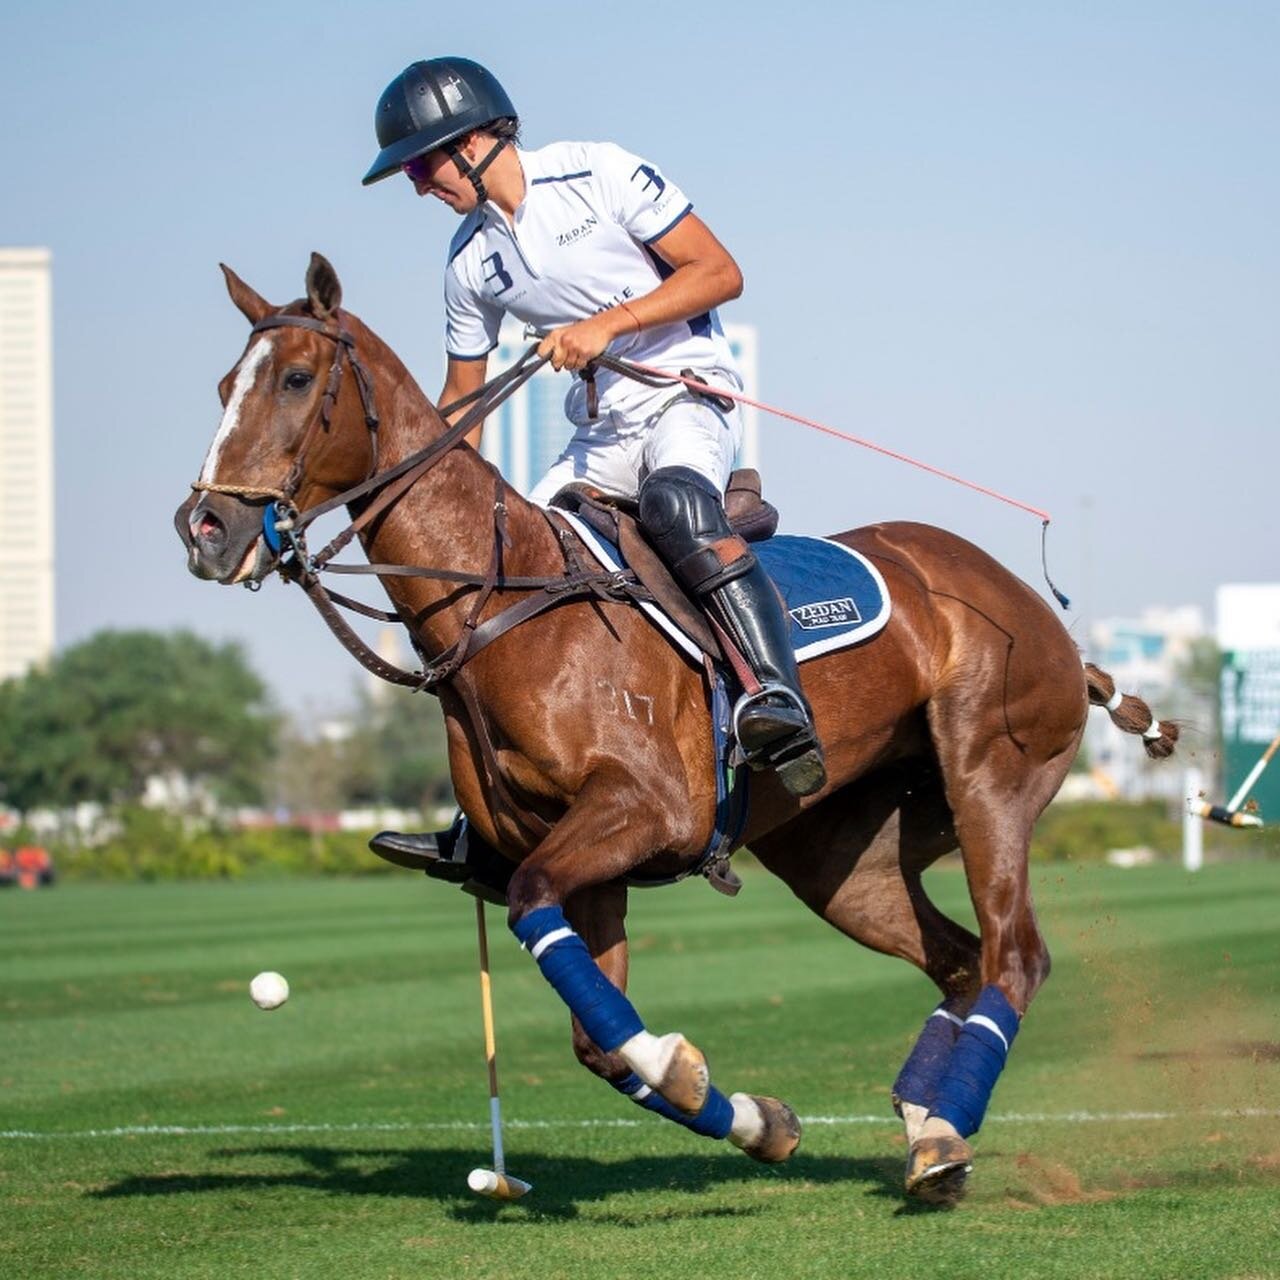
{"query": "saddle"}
(616, 518)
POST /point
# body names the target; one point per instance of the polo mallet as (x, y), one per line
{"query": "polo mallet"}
(496, 1183)
(1231, 816)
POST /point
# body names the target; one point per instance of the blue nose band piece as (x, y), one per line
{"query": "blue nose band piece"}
(269, 531)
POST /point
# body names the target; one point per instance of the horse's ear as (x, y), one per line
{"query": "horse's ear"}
(252, 305)
(324, 292)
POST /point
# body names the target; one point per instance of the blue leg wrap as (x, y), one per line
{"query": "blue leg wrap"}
(713, 1121)
(607, 1016)
(917, 1082)
(976, 1062)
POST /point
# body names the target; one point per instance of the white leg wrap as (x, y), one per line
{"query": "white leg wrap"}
(914, 1116)
(748, 1123)
(649, 1056)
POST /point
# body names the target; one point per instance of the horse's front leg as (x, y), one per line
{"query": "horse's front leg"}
(608, 830)
(568, 909)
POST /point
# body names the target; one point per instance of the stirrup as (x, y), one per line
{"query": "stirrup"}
(749, 701)
(792, 718)
(794, 755)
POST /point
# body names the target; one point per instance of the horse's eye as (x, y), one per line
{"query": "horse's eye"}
(297, 380)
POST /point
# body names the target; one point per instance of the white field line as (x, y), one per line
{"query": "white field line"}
(469, 1126)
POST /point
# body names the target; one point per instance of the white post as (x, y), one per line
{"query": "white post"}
(1192, 827)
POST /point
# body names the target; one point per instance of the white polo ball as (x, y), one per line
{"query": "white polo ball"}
(269, 990)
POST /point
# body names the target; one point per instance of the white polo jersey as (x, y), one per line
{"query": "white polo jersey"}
(578, 244)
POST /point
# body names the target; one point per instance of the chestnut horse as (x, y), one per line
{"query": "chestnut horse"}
(952, 728)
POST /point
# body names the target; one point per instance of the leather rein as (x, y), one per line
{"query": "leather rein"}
(284, 524)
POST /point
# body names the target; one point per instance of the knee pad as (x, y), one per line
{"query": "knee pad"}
(682, 513)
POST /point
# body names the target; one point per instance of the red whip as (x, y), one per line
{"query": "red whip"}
(695, 385)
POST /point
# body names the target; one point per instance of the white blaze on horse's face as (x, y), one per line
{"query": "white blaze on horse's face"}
(246, 376)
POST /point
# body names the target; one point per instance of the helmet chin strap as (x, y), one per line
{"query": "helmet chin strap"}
(474, 172)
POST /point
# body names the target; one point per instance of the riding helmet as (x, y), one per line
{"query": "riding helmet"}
(430, 103)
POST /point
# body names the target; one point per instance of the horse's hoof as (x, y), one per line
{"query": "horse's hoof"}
(772, 1138)
(937, 1168)
(686, 1081)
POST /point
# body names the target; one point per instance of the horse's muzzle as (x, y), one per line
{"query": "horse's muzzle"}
(223, 537)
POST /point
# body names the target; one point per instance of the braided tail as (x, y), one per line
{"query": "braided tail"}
(1131, 714)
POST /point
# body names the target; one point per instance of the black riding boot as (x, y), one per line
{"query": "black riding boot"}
(775, 726)
(685, 520)
(457, 855)
(439, 853)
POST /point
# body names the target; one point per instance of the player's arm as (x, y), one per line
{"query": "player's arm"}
(461, 378)
(704, 276)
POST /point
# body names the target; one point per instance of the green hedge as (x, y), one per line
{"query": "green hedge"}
(156, 846)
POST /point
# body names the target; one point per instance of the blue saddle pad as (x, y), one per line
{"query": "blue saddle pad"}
(835, 596)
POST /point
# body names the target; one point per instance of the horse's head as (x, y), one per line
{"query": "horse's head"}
(294, 429)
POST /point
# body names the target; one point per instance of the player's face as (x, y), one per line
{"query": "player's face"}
(435, 174)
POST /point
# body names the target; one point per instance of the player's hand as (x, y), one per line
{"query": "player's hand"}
(574, 346)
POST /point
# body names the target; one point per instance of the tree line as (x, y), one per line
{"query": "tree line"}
(120, 708)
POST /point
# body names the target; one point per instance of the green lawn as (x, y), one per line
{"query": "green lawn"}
(1136, 1132)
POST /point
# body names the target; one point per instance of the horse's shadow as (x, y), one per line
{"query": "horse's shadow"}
(562, 1184)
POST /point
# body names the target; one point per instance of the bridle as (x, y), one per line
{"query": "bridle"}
(284, 526)
(281, 513)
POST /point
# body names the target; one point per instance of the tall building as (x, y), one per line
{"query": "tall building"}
(528, 432)
(26, 460)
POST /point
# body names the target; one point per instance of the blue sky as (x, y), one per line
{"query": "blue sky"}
(1033, 244)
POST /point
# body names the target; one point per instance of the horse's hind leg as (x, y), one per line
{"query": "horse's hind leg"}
(765, 1128)
(997, 786)
(857, 860)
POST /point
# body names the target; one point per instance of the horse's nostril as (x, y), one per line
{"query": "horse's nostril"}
(206, 528)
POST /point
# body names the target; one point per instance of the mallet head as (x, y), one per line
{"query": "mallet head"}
(497, 1186)
(1228, 817)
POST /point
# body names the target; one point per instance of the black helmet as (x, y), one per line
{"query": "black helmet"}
(431, 103)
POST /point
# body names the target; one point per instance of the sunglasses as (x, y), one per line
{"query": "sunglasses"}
(417, 169)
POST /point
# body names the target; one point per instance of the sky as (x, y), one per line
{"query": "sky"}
(1032, 244)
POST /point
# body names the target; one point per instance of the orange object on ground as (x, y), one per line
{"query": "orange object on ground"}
(34, 866)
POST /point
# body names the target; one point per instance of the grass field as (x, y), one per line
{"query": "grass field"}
(154, 1123)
